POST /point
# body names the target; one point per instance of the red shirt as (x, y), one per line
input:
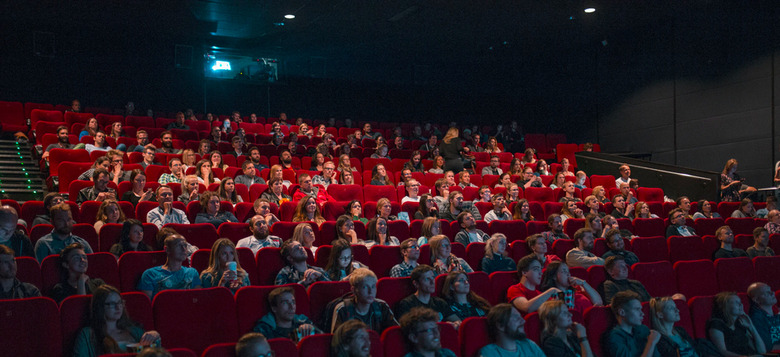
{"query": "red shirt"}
(519, 290)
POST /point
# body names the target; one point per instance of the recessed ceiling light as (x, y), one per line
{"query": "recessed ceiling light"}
(291, 16)
(590, 10)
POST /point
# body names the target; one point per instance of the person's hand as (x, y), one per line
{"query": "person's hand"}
(117, 168)
(630, 207)
(103, 196)
(306, 330)
(455, 324)
(311, 275)
(679, 296)
(553, 291)
(579, 330)
(574, 281)
(147, 195)
(654, 336)
(194, 193)
(353, 235)
(149, 337)
(167, 207)
(227, 277)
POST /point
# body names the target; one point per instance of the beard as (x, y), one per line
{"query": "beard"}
(167, 144)
(518, 335)
(287, 161)
(261, 235)
(64, 140)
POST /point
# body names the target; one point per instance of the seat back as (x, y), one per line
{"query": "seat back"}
(133, 264)
(31, 334)
(696, 278)
(272, 263)
(648, 273)
(734, 274)
(252, 304)
(650, 249)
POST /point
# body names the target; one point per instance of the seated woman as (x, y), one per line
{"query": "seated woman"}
(442, 259)
(204, 146)
(380, 152)
(321, 131)
(496, 257)
(745, 209)
(642, 210)
(131, 239)
(317, 161)
(577, 293)
(90, 129)
(345, 230)
(110, 329)
(379, 176)
(415, 162)
(705, 211)
(528, 157)
(137, 193)
(674, 340)
(513, 193)
(593, 222)
(565, 166)
(189, 190)
(464, 302)
(731, 330)
(438, 165)
(305, 130)
(505, 180)
(102, 162)
(224, 268)
(227, 191)
(600, 194)
(109, 212)
(412, 189)
(570, 210)
(541, 168)
(522, 211)
(304, 234)
(732, 186)
(204, 173)
(210, 210)
(340, 263)
(355, 211)
(431, 227)
(275, 192)
(560, 336)
(278, 172)
(492, 146)
(515, 167)
(215, 157)
(73, 274)
(307, 210)
(559, 180)
(384, 209)
(538, 246)
(116, 132)
(427, 207)
(376, 234)
(346, 178)
(187, 159)
(345, 164)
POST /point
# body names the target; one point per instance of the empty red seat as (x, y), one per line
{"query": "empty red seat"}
(571, 225)
(535, 227)
(696, 278)
(323, 292)
(650, 194)
(734, 274)
(373, 193)
(686, 248)
(741, 225)
(271, 263)
(649, 273)
(598, 320)
(393, 290)
(539, 194)
(766, 269)
(201, 235)
(649, 227)
(252, 303)
(700, 309)
(607, 181)
(29, 271)
(31, 334)
(650, 249)
(74, 314)
(500, 282)
(383, 258)
(473, 334)
(562, 246)
(726, 208)
(133, 264)
(52, 116)
(513, 230)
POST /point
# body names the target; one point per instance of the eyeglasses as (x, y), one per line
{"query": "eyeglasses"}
(347, 258)
(431, 330)
(113, 305)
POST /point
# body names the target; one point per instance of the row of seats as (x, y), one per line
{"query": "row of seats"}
(222, 317)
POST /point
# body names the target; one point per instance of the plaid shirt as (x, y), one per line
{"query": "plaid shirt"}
(288, 275)
(401, 270)
(168, 178)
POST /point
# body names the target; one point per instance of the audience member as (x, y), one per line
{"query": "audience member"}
(629, 337)
(484, 194)
(581, 255)
(355, 211)
(308, 210)
(384, 209)
(525, 295)
(224, 268)
(51, 199)
(190, 188)
(61, 236)
(764, 314)
(555, 224)
(677, 225)
(12, 237)
(705, 211)
(506, 330)
(463, 301)
(760, 247)
(601, 194)
(275, 192)
(538, 246)
(109, 212)
(149, 152)
(529, 179)
(341, 263)
(203, 169)
(622, 209)
(558, 181)
(496, 257)
(172, 275)
(249, 176)
(674, 341)
(570, 210)
(771, 204)
(167, 144)
(304, 234)
(138, 192)
(379, 176)
(617, 281)
(260, 237)
(10, 286)
(296, 270)
(500, 210)
(431, 227)
(450, 149)
(494, 168)
(376, 234)
(725, 236)
(100, 143)
(732, 186)
(426, 208)
(227, 191)
(745, 209)
(165, 213)
(423, 278)
(63, 142)
(628, 196)
(99, 191)
(731, 330)
(625, 175)
(308, 189)
(131, 239)
(328, 175)
(253, 344)
(73, 274)
(468, 230)
(412, 191)
(455, 205)
(282, 321)
(142, 139)
(442, 259)
(523, 211)
(576, 293)
(351, 339)
(363, 304)
(642, 210)
(617, 246)
(177, 172)
(410, 251)
(560, 335)
(188, 159)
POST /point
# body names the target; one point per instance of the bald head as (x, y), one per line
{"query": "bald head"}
(8, 213)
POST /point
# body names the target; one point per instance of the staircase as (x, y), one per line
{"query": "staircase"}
(20, 178)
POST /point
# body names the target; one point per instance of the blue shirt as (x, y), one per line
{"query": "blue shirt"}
(158, 279)
(52, 244)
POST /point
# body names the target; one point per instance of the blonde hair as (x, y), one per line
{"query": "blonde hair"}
(549, 312)
(657, 305)
(451, 134)
(494, 240)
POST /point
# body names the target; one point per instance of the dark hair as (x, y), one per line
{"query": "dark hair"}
(419, 270)
(610, 262)
(340, 222)
(332, 268)
(343, 336)
(97, 320)
(524, 264)
(497, 317)
(471, 297)
(550, 274)
(621, 299)
(415, 317)
(423, 206)
(96, 173)
(276, 293)
(50, 197)
(580, 234)
(242, 346)
(124, 236)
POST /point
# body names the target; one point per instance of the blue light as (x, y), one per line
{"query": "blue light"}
(221, 66)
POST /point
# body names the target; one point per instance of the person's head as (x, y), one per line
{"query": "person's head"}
(625, 170)
(253, 344)
(308, 207)
(346, 178)
(176, 248)
(677, 217)
(725, 235)
(505, 322)
(449, 176)
(7, 263)
(62, 134)
(363, 282)
(100, 179)
(376, 226)
(223, 251)
(410, 250)
(282, 303)
(663, 310)
(73, 260)
(554, 315)
(627, 308)
(412, 188)
(619, 202)
(174, 164)
(593, 222)
(227, 189)
(583, 239)
(625, 189)
(61, 218)
(514, 190)
(569, 207)
(236, 143)
(614, 240)
(456, 199)
(383, 207)
(423, 278)
(442, 187)
(438, 162)
(529, 268)
(683, 203)
(616, 267)
(554, 222)
(110, 212)
(355, 208)
(537, 244)
(599, 192)
(209, 202)
(167, 139)
(107, 305)
(760, 237)
(556, 274)
(560, 179)
(705, 206)
(248, 168)
(304, 234)
(642, 210)
(496, 245)
(259, 227)
(8, 220)
(433, 140)
(340, 258)
(132, 232)
(731, 167)
(484, 194)
(305, 181)
(215, 157)
(431, 227)
(746, 206)
(727, 307)
(440, 247)
(452, 133)
(456, 283)
(351, 339)
(464, 178)
(762, 295)
(466, 220)
(344, 224)
(293, 252)
(52, 199)
(419, 328)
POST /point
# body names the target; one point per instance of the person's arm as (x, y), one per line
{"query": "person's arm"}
(592, 294)
(84, 345)
(757, 340)
(717, 339)
(462, 238)
(528, 306)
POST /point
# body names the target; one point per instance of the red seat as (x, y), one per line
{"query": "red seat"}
(323, 292)
(734, 274)
(696, 278)
(562, 246)
(139, 121)
(535, 227)
(539, 194)
(399, 229)
(252, 304)
(52, 116)
(518, 250)
(500, 282)
(39, 231)
(100, 265)
(346, 192)
(649, 227)
(650, 194)
(513, 230)
(369, 209)
(766, 269)
(214, 322)
(228, 349)
(74, 314)
(700, 309)
(201, 235)
(373, 193)
(233, 231)
(598, 320)
(284, 230)
(272, 263)
(143, 208)
(383, 258)
(686, 248)
(741, 225)
(286, 211)
(332, 210)
(650, 249)
(648, 274)
(607, 181)
(474, 253)
(31, 334)
(29, 271)
(571, 225)
(393, 290)
(473, 335)
(139, 307)
(133, 264)
(57, 156)
(72, 117)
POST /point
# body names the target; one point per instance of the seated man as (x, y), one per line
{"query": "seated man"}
(296, 271)
(281, 321)
(327, 177)
(423, 277)
(622, 208)
(494, 168)
(569, 193)
(410, 250)
(625, 175)
(10, 286)
(165, 213)
(500, 211)
(260, 237)
(11, 237)
(580, 255)
(506, 329)
(308, 189)
(726, 238)
(149, 152)
(464, 179)
(363, 305)
(63, 142)
(677, 225)
(617, 247)
(629, 337)
(167, 144)
(771, 204)
(455, 205)
(237, 147)
(485, 195)
(99, 191)
(760, 247)
(468, 230)
(249, 177)
(177, 172)
(764, 314)
(618, 281)
(525, 295)
(555, 223)
(529, 179)
(179, 123)
(625, 191)
(263, 208)
(73, 274)
(171, 275)
(421, 333)
(117, 173)
(432, 143)
(253, 344)
(60, 237)
(254, 157)
(142, 139)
